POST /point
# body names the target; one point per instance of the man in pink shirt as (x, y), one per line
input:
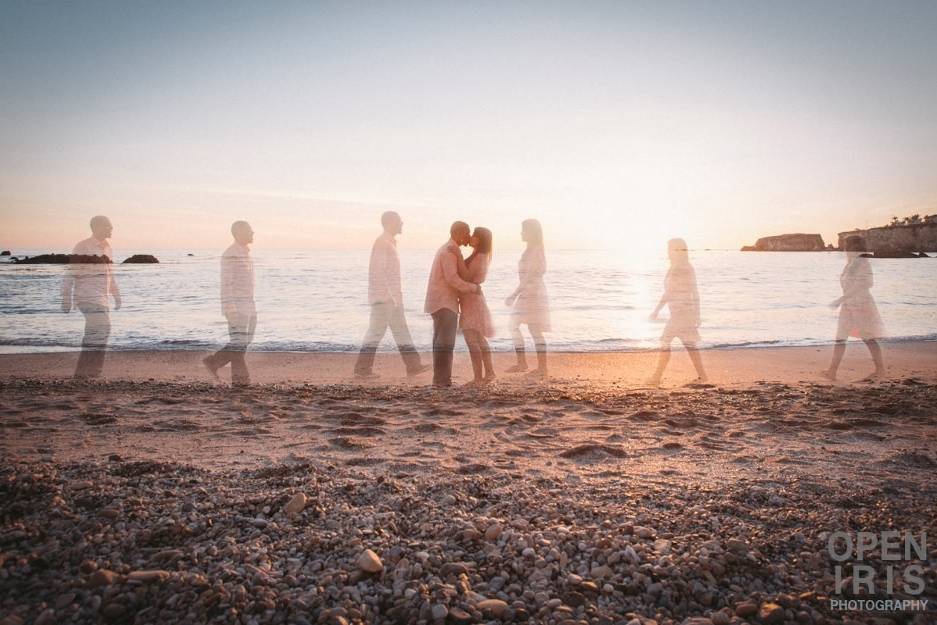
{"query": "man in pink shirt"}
(385, 296)
(88, 286)
(442, 300)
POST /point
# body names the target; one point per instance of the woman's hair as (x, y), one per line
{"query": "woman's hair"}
(534, 232)
(855, 243)
(484, 243)
(677, 250)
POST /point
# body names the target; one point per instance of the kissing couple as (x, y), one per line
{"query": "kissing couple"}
(454, 287)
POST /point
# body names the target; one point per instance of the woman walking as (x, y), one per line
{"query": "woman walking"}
(858, 314)
(529, 300)
(681, 296)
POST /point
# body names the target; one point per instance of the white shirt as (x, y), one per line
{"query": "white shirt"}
(237, 281)
(90, 283)
(384, 272)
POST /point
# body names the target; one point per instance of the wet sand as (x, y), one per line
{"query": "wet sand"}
(586, 499)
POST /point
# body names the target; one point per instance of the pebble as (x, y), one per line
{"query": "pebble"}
(148, 577)
(643, 532)
(495, 607)
(102, 577)
(295, 505)
(771, 613)
(746, 609)
(369, 562)
(47, 617)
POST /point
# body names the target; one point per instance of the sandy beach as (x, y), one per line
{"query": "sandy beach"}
(156, 496)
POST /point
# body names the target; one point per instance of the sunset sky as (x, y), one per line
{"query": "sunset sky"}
(616, 124)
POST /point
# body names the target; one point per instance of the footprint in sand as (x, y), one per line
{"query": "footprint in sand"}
(593, 452)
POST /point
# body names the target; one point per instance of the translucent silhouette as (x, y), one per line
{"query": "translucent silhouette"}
(681, 297)
(89, 287)
(475, 318)
(442, 300)
(385, 296)
(858, 314)
(237, 305)
(529, 302)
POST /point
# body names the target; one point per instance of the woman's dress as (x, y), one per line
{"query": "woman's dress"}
(683, 301)
(475, 314)
(858, 314)
(532, 305)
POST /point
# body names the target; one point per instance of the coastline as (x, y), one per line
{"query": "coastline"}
(732, 367)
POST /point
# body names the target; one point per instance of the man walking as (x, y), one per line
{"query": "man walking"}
(385, 296)
(87, 285)
(237, 305)
(442, 300)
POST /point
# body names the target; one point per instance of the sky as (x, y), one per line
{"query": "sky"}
(617, 124)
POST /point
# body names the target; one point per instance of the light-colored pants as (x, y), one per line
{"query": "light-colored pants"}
(94, 342)
(241, 333)
(386, 315)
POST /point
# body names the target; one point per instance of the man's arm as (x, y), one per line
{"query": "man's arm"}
(381, 257)
(450, 271)
(227, 287)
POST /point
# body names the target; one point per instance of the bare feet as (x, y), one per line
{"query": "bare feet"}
(653, 381)
(875, 375)
(366, 375)
(476, 383)
(419, 370)
(490, 378)
(213, 370)
(538, 373)
(518, 368)
(829, 375)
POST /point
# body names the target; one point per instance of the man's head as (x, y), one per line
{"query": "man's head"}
(242, 232)
(101, 227)
(393, 224)
(460, 233)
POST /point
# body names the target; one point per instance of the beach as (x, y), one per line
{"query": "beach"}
(157, 496)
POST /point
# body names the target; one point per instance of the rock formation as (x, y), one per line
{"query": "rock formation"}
(141, 258)
(61, 259)
(788, 243)
(899, 241)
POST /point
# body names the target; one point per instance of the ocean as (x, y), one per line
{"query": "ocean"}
(600, 300)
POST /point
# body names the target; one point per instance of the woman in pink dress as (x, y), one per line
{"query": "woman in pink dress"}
(475, 319)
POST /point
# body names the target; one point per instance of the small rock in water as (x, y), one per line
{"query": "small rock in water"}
(369, 562)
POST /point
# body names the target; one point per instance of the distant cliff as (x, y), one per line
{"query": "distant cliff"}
(788, 243)
(895, 240)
